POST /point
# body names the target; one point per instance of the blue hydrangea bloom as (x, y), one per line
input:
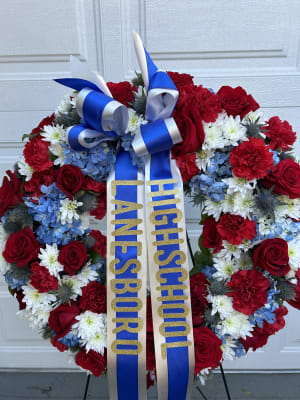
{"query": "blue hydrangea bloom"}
(266, 313)
(14, 283)
(70, 340)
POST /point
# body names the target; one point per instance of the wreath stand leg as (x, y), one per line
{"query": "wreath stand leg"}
(221, 367)
(88, 379)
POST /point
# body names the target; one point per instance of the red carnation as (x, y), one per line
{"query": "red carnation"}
(93, 298)
(210, 235)
(280, 133)
(251, 159)
(187, 165)
(69, 179)
(33, 186)
(249, 290)
(279, 324)
(235, 228)
(198, 283)
(63, 317)
(258, 339)
(100, 244)
(10, 192)
(58, 344)
(236, 101)
(21, 247)
(208, 353)
(180, 80)
(41, 279)
(46, 121)
(72, 256)
(122, 92)
(284, 178)
(92, 361)
(37, 154)
(272, 255)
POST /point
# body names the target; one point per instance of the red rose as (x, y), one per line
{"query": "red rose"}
(236, 101)
(72, 256)
(279, 324)
(284, 178)
(91, 185)
(191, 141)
(249, 290)
(235, 228)
(210, 235)
(21, 247)
(38, 179)
(198, 284)
(58, 344)
(280, 133)
(258, 339)
(122, 92)
(100, 245)
(251, 159)
(63, 317)
(10, 192)
(208, 353)
(37, 154)
(69, 179)
(187, 165)
(93, 298)
(41, 278)
(46, 121)
(20, 296)
(180, 80)
(92, 361)
(272, 255)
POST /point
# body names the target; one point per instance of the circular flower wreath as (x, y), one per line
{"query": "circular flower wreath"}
(238, 169)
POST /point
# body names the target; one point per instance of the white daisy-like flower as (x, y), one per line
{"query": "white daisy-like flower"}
(68, 210)
(213, 208)
(227, 205)
(236, 325)
(49, 259)
(86, 275)
(85, 221)
(98, 342)
(37, 301)
(294, 254)
(203, 158)
(74, 283)
(265, 225)
(221, 304)
(239, 185)
(25, 169)
(213, 136)
(288, 207)
(3, 234)
(58, 151)
(37, 320)
(54, 134)
(89, 324)
(4, 265)
(64, 106)
(254, 116)
(228, 349)
(225, 268)
(135, 121)
(244, 261)
(233, 131)
(229, 250)
(243, 204)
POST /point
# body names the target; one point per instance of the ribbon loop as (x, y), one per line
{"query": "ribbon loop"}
(80, 137)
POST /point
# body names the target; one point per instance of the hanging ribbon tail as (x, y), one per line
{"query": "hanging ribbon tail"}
(77, 84)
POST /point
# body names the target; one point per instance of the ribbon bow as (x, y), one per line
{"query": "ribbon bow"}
(145, 229)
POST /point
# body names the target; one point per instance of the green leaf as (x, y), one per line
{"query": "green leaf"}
(29, 136)
(203, 249)
(11, 291)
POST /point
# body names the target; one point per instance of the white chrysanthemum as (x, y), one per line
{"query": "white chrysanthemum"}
(265, 225)
(64, 106)
(37, 320)
(233, 131)
(239, 185)
(243, 204)
(135, 121)
(74, 283)
(236, 325)
(229, 250)
(58, 151)
(227, 349)
(3, 234)
(227, 205)
(86, 275)
(98, 342)
(37, 301)
(213, 136)
(213, 208)
(68, 211)
(294, 254)
(225, 268)
(89, 324)
(54, 134)
(244, 261)
(25, 169)
(49, 259)
(254, 116)
(221, 304)
(289, 207)
(203, 158)
(4, 265)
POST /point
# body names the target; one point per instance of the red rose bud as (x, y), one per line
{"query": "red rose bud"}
(93, 361)
(38, 179)
(37, 154)
(10, 192)
(280, 133)
(284, 178)
(251, 159)
(198, 283)
(235, 228)
(62, 318)
(249, 290)
(208, 353)
(69, 179)
(187, 165)
(236, 101)
(272, 255)
(93, 298)
(72, 256)
(41, 278)
(100, 244)
(210, 235)
(122, 92)
(21, 247)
